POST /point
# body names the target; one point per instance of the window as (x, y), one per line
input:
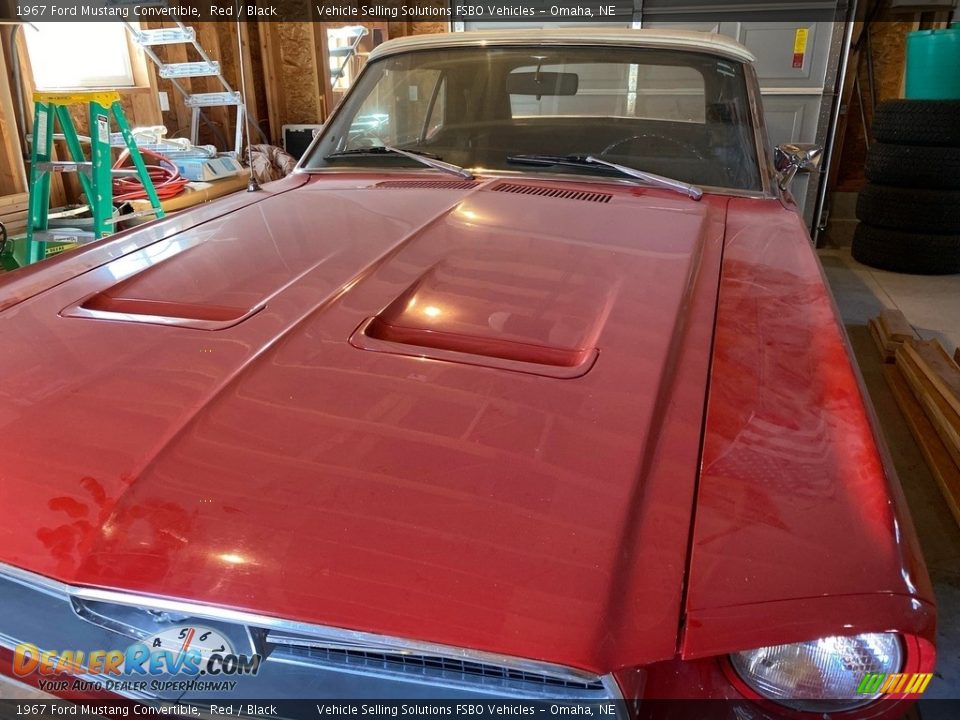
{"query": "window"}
(679, 113)
(668, 92)
(75, 55)
(407, 106)
(655, 92)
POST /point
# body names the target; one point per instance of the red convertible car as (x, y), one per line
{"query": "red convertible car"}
(526, 384)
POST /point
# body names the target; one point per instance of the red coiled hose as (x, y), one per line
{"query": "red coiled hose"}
(163, 173)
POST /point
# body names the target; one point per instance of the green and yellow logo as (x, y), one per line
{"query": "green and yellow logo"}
(894, 683)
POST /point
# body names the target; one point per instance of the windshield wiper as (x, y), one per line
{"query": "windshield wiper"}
(679, 186)
(420, 157)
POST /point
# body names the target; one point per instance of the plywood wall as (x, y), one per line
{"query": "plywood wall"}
(291, 75)
(13, 178)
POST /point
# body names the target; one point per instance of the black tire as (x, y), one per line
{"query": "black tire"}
(916, 253)
(934, 211)
(917, 166)
(918, 122)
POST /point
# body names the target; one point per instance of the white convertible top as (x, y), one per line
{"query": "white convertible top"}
(712, 43)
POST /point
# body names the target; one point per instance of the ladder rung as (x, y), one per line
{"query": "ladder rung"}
(62, 235)
(62, 166)
(213, 99)
(166, 36)
(190, 69)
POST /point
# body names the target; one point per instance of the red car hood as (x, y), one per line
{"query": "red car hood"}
(502, 457)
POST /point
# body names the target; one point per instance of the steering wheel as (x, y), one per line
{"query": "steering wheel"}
(685, 146)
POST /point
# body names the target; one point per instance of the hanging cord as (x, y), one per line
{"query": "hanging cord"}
(219, 137)
(163, 173)
(252, 184)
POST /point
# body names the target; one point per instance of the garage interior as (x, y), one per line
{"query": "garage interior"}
(825, 88)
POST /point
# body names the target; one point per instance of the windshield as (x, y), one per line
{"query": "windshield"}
(679, 114)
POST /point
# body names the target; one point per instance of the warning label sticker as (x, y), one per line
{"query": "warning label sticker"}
(800, 46)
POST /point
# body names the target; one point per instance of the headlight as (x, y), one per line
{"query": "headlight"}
(819, 675)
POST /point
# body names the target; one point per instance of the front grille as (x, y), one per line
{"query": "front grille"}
(553, 192)
(426, 665)
(429, 184)
(308, 662)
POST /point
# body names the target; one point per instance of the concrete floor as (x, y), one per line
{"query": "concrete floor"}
(932, 305)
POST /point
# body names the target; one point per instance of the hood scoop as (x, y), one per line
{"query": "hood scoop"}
(103, 306)
(380, 336)
(160, 295)
(478, 308)
(553, 192)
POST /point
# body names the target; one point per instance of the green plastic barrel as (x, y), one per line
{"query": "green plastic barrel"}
(933, 64)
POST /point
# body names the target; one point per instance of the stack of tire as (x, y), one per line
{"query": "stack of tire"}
(909, 211)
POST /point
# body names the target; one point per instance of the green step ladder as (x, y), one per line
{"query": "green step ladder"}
(95, 174)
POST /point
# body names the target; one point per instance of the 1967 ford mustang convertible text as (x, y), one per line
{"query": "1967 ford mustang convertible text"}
(525, 384)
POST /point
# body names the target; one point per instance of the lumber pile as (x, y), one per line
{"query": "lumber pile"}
(889, 331)
(13, 213)
(925, 381)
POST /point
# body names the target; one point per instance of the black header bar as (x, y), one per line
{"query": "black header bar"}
(616, 12)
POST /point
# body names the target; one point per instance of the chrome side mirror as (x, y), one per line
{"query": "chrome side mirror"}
(792, 158)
